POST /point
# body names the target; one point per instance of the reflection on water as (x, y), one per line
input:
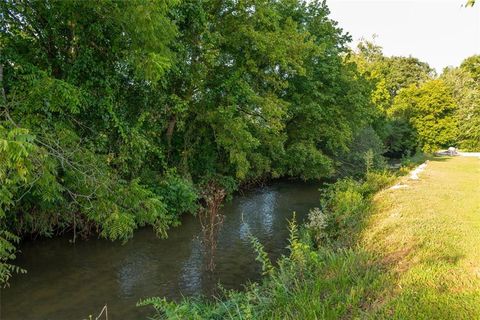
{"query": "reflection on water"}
(191, 275)
(66, 281)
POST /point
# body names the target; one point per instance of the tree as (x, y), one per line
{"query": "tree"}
(430, 109)
(329, 102)
(131, 108)
(388, 76)
(67, 68)
(465, 83)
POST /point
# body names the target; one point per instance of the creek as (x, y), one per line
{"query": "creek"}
(72, 281)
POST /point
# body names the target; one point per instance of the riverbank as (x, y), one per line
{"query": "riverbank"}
(400, 253)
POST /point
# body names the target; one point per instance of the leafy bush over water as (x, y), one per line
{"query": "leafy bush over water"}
(178, 194)
(7, 252)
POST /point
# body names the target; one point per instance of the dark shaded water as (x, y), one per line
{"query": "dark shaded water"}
(66, 281)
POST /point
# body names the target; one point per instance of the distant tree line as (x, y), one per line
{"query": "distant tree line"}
(419, 110)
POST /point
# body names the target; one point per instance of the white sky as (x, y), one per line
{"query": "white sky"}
(441, 32)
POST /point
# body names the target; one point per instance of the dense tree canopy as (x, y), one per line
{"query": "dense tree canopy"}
(388, 76)
(113, 112)
(465, 83)
(417, 109)
(430, 109)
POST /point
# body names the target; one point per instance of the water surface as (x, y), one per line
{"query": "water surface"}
(71, 281)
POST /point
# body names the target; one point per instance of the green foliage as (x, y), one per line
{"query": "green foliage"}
(471, 65)
(430, 109)
(16, 168)
(376, 181)
(16, 148)
(388, 76)
(404, 72)
(262, 256)
(465, 84)
(64, 133)
(344, 205)
(7, 252)
(401, 138)
(307, 162)
(114, 114)
(415, 110)
(178, 194)
(132, 206)
(132, 106)
(222, 99)
(365, 153)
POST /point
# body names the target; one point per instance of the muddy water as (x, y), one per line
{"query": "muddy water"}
(72, 281)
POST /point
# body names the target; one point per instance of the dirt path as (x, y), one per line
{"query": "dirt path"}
(469, 154)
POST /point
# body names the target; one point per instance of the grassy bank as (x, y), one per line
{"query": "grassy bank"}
(409, 253)
(428, 235)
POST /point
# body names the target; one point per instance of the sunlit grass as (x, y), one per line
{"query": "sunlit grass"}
(429, 235)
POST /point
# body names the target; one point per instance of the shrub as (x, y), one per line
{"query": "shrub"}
(7, 253)
(377, 180)
(365, 153)
(317, 224)
(345, 207)
(344, 204)
(179, 195)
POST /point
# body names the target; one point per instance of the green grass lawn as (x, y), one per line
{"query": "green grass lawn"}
(428, 236)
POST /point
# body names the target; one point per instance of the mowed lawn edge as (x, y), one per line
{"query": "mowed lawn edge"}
(428, 235)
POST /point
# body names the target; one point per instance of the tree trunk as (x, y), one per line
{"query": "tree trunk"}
(170, 129)
(2, 90)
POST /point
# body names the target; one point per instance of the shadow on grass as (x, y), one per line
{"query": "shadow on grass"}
(439, 158)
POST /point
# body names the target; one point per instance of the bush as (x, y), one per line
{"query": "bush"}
(377, 180)
(179, 195)
(365, 153)
(7, 253)
(317, 224)
(344, 205)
